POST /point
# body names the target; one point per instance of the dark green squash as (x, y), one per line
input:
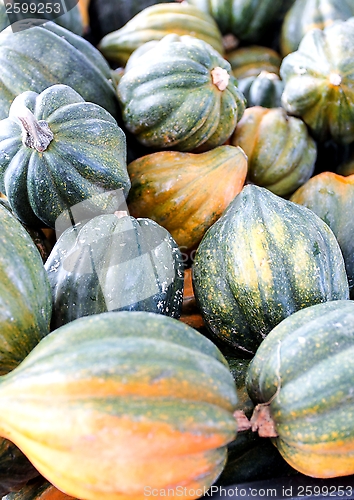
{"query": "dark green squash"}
(301, 378)
(195, 103)
(154, 23)
(115, 262)
(252, 60)
(56, 151)
(306, 15)
(319, 87)
(331, 197)
(136, 399)
(264, 90)
(37, 58)
(264, 259)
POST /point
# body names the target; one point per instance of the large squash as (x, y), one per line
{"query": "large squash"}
(319, 84)
(115, 262)
(154, 23)
(56, 151)
(302, 379)
(37, 58)
(119, 404)
(264, 259)
(179, 93)
(281, 153)
(185, 192)
(331, 197)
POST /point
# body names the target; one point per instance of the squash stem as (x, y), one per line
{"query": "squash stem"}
(36, 134)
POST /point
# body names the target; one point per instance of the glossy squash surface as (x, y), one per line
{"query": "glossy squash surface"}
(303, 371)
(252, 60)
(264, 259)
(185, 192)
(136, 399)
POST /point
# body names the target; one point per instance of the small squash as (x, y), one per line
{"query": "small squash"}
(264, 90)
(264, 259)
(185, 192)
(301, 378)
(153, 23)
(56, 151)
(281, 153)
(137, 400)
(115, 262)
(180, 94)
(252, 60)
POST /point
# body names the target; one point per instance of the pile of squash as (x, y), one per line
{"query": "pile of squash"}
(176, 247)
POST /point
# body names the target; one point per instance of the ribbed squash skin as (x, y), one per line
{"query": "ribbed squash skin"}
(86, 157)
(331, 197)
(71, 20)
(187, 110)
(37, 58)
(153, 23)
(262, 90)
(136, 399)
(185, 192)
(247, 19)
(112, 263)
(264, 259)
(319, 84)
(281, 153)
(252, 60)
(305, 15)
(306, 366)
(38, 490)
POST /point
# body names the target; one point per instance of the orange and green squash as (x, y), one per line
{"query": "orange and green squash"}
(180, 94)
(331, 197)
(263, 260)
(153, 23)
(281, 153)
(306, 15)
(56, 151)
(115, 262)
(264, 90)
(319, 86)
(252, 60)
(186, 192)
(136, 399)
(302, 379)
(45, 55)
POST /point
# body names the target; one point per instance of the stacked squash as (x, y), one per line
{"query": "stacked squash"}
(196, 300)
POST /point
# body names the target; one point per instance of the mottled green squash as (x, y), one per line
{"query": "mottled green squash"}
(264, 259)
(306, 15)
(252, 60)
(302, 378)
(56, 151)
(264, 90)
(331, 197)
(281, 153)
(180, 94)
(136, 399)
(319, 84)
(153, 23)
(115, 262)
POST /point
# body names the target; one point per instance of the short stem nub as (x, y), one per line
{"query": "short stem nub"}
(220, 78)
(36, 134)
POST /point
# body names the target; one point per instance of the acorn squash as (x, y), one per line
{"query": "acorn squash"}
(56, 151)
(264, 259)
(301, 379)
(264, 90)
(252, 60)
(185, 192)
(138, 402)
(179, 94)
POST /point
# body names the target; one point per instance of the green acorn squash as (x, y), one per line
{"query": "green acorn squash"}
(138, 401)
(264, 90)
(306, 15)
(185, 192)
(57, 150)
(115, 262)
(37, 58)
(281, 153)
(331, 197)
(319, 84)
(154, 23)
(264, 259)
(180, 94)
(301, 378)
(252, 60)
